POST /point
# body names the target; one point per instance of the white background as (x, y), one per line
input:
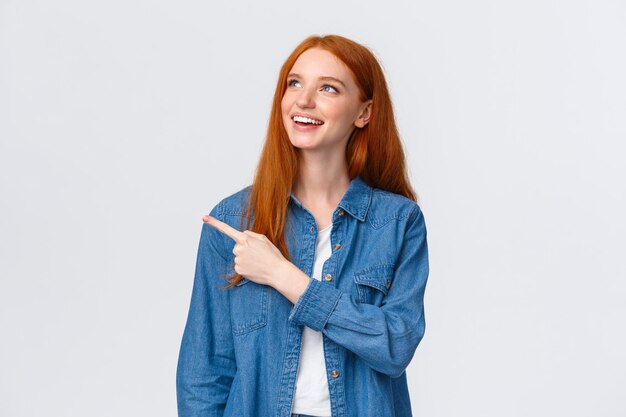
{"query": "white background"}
(123, 122)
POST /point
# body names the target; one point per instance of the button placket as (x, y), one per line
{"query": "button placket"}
(331, 263)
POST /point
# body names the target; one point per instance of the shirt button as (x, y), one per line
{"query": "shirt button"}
(312, 229)
(337, 246)
(328, 277)
(334, 373)
(341, 212)
(388, 285)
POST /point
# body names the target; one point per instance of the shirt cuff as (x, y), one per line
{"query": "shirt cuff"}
(315, 305)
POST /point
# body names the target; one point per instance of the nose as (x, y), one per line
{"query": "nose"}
(305, 99)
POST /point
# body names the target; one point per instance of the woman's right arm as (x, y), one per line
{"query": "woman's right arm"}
(206, 362)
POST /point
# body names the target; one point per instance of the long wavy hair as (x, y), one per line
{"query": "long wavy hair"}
(374, 152)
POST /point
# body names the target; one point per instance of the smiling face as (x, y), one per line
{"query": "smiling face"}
(321, 105)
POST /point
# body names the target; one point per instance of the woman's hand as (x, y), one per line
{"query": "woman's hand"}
(256, 257)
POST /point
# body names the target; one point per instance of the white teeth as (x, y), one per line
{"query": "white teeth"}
(306, 120)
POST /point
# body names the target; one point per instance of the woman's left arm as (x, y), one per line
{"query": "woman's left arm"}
(385, 337)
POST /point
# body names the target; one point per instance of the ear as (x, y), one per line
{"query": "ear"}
(365, 114)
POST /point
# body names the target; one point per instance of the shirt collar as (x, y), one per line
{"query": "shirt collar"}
(356, 199)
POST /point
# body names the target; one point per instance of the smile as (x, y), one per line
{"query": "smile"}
(307, 120)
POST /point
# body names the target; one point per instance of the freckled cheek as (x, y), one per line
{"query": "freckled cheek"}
(339, 115)
(285, 107)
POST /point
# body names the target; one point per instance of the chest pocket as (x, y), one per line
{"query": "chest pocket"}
(373, 283)
(249, 306)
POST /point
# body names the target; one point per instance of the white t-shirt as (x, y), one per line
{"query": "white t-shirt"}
(311, 395)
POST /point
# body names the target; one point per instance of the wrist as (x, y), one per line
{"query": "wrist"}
(289, 280)
(278, 273)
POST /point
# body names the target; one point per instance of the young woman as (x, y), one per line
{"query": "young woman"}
(309, 284)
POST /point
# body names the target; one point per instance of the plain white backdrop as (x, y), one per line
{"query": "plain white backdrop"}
(123, 122)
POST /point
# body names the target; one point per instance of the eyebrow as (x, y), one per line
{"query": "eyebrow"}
(326, 78)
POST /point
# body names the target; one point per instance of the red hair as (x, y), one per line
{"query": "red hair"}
(373, 152)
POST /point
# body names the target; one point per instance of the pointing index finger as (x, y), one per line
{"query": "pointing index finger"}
(229, 231)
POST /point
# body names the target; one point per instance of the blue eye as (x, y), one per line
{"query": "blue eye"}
(293, 83)
(329, 89)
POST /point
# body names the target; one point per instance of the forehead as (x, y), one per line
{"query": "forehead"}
(319, 62)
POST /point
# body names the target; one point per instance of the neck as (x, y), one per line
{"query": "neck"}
(322, 179)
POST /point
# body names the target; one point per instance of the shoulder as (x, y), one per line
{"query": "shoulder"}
(386, 206)
(234, 204)
(230, 210)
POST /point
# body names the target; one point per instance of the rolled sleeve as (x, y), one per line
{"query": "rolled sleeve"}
(315, 305)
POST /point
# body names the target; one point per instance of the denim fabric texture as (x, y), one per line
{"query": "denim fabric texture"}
(240, 348)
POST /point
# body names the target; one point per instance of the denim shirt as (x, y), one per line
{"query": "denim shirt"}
(240, 348)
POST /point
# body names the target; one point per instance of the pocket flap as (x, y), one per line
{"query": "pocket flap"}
(377, 276)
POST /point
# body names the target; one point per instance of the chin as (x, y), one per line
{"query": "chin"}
(301, 144)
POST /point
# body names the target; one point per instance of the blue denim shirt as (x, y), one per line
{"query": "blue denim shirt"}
(240, 348)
